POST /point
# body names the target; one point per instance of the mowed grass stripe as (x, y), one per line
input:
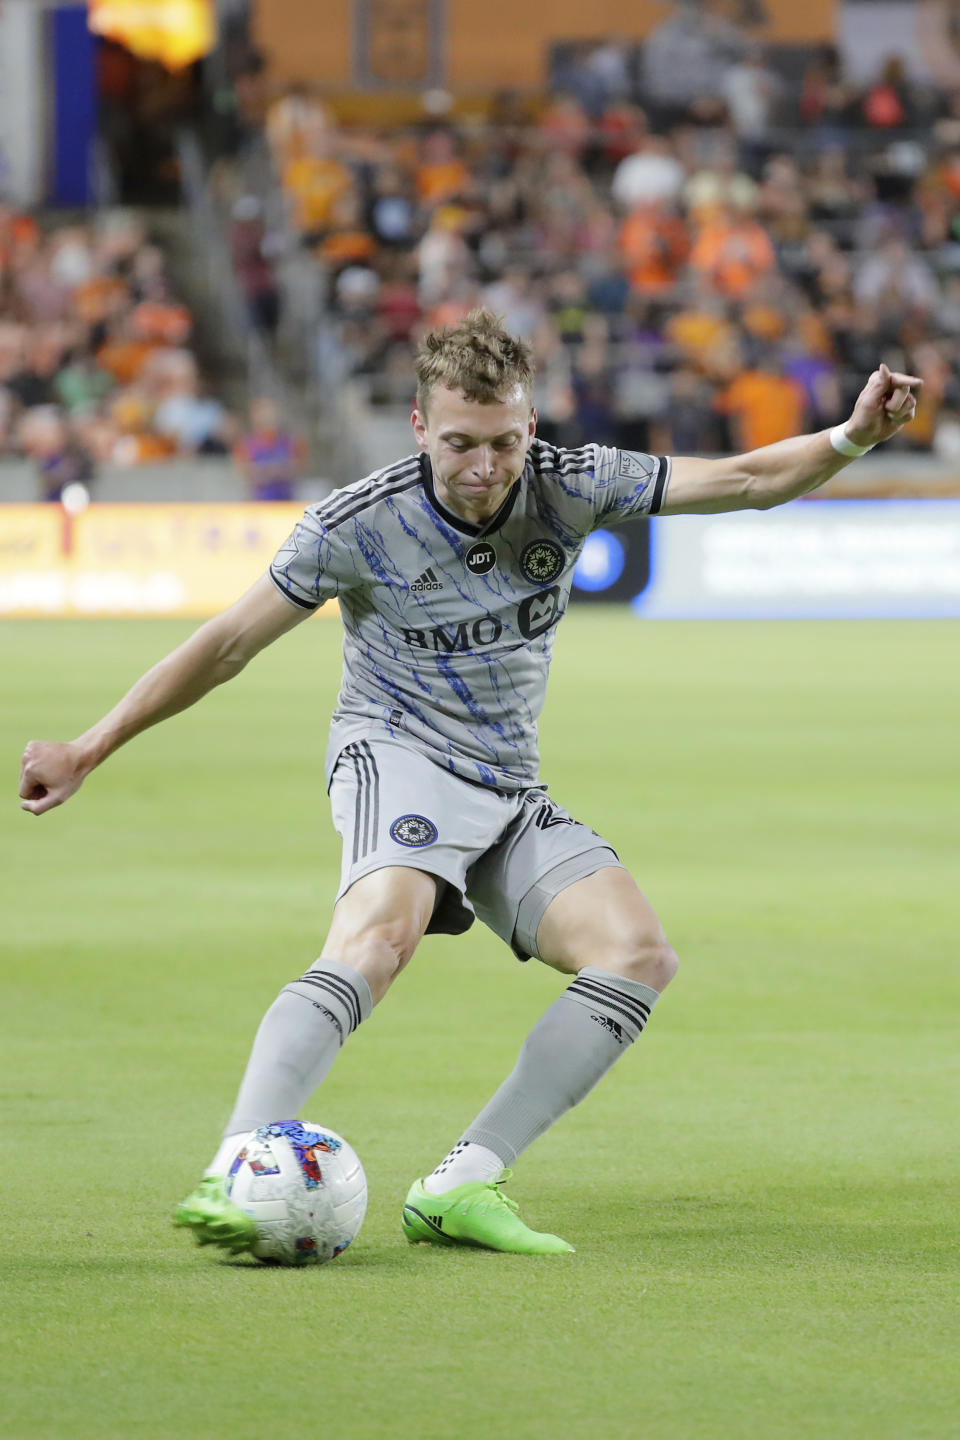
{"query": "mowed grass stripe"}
(762, 1195)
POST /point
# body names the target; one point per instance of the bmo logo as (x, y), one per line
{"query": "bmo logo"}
(534, 617)
(538, 612)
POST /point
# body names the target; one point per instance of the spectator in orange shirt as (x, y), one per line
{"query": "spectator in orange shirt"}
(732, 252)
(123, 354)
(702, 331)
(98, 299)
(347, 242)
(293, 123)
(17, 232)
(314, 181)
(654, 243)
(161, 321)
(763, 405)
(441, 174)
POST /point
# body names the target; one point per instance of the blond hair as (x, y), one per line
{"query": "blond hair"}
(478, 358)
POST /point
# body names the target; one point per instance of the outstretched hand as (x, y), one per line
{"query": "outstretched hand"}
(885, 404)
(50, 773)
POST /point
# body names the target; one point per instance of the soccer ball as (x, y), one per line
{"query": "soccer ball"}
(304, 1186)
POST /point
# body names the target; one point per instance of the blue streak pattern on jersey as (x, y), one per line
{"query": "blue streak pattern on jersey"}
(458, 670)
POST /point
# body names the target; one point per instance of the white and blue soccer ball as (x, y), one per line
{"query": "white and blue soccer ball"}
(304, 1187)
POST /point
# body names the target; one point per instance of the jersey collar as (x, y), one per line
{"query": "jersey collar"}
(457, 521)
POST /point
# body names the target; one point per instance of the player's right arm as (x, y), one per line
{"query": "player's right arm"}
(52, 771)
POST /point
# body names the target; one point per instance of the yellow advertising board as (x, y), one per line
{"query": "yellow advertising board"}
(189, 560)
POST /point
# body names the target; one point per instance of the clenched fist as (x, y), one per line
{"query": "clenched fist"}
(885, 404)
(50, 773)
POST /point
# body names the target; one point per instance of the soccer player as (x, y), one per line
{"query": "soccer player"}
(452, 569)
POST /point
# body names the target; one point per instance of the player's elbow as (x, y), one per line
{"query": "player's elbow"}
(757, 493)
(230, 649)
(764, 500)
(231, 661)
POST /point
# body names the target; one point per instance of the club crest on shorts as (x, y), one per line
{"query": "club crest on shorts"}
(414, 831)
(542, 561)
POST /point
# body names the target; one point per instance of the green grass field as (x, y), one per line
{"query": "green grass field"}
(763, 1194)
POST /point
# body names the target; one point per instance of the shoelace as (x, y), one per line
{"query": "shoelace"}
(497, 1196)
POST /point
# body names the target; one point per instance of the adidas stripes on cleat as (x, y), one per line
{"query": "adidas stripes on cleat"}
(214, 1219)
(474, 1214)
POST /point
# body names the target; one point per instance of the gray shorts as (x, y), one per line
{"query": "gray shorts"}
(500, 856)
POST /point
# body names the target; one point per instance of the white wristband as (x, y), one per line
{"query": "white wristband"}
(843, 445)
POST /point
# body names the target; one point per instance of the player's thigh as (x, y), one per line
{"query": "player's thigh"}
(380, 921)
(541, 852)
(605, 920)
(410, 831)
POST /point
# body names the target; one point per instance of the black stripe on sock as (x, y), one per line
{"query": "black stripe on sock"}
(341, 989)
(605, 1004)
(334, 995)
(329, 1013)
(600, 1007)
(589, 982)
(610, 992)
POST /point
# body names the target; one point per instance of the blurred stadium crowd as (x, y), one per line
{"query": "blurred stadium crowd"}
(709, 249)
(96, 365)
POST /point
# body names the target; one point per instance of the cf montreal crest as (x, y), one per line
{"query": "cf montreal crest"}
(413, 830)
(542, 561)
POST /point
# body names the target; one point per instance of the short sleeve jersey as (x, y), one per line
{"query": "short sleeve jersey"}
(449, 626)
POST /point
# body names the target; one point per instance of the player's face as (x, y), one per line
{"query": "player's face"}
(477, 451)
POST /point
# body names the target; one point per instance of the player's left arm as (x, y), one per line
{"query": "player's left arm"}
(776, 473)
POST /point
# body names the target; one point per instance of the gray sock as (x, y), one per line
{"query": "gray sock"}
(570, 1048)
(297, 1042)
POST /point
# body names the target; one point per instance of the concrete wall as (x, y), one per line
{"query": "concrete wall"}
(176, 480)
(385, 436)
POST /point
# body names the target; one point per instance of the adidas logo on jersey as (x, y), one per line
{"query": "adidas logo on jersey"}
(427, 581)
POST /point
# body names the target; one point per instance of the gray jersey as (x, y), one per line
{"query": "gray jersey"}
(449, 626)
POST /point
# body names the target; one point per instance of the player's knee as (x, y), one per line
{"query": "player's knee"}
(647, 958)
(379, 952)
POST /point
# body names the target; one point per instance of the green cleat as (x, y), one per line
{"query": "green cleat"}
(474, 1214)
(214, 1219)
